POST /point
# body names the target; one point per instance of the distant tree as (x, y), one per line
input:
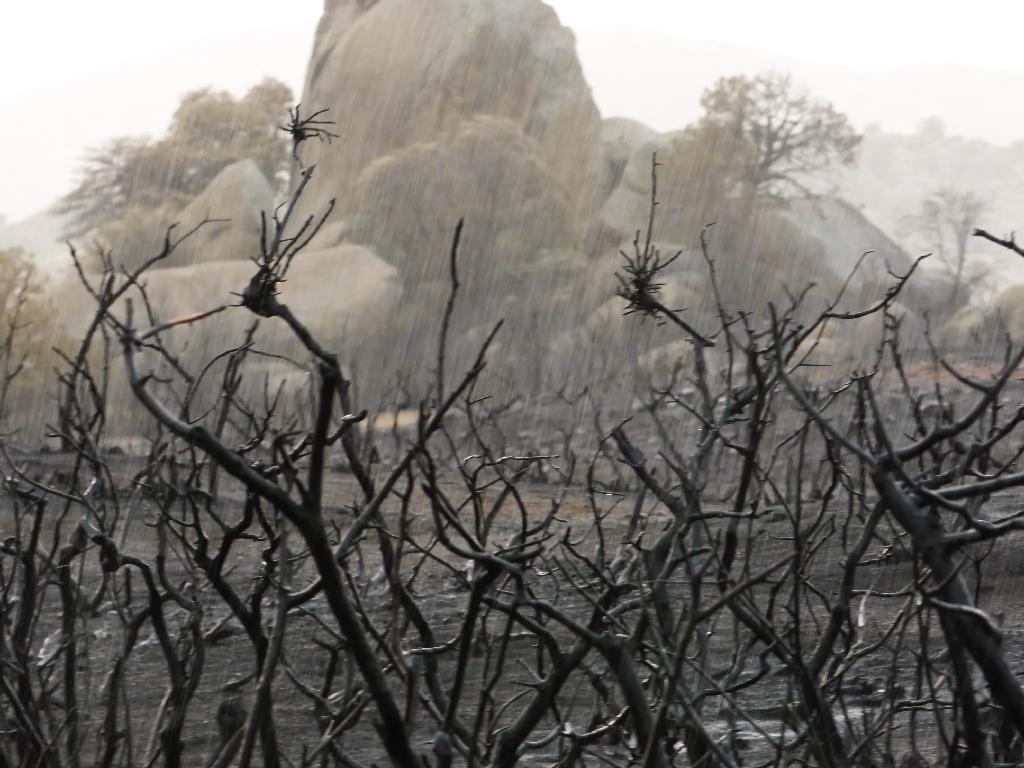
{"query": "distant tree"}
(945, 223)
(25, 315)
(111, 176)
(706, 162)
(209, 131)
(785, 136)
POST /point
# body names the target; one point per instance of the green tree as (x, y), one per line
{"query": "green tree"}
(209, 131)
(780, 138)
(704, 166)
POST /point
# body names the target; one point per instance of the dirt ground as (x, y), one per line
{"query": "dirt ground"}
(229, 660)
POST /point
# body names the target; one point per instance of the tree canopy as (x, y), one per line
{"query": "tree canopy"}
(772, 137)
(209, 131)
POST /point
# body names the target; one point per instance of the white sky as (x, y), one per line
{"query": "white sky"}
(868, 33)
(74, 73)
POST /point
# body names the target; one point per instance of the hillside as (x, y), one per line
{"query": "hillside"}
(896, 171)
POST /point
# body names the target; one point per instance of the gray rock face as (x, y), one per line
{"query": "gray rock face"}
(341, 294)
(847, 234)
(397, 73)
(628, 151)
(238, 193)
(337, 292)
(334, 291)
(620, 139)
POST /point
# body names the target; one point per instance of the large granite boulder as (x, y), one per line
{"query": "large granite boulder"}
(237, 194)
(345, 295)
(629, 151)
(336, 292)
(847, 234)
(620, 138)
(398, 73)
(340, 293)
(693, 187)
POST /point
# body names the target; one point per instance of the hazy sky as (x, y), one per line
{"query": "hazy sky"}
(75, 72)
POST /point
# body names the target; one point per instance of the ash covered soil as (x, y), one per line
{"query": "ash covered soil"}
(229, 660)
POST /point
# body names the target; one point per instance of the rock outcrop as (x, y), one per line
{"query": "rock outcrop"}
(345, 295)
(628, 153)
(620, 139)
(340, 293)
(237, 194)
(399, 73)
(966, 329)
(478, 109)
(234, 200)
(846, 234)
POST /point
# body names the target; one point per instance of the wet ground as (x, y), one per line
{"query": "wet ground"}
(877, 682)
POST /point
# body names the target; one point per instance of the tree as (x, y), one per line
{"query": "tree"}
(789, 137)
(209, 131)
(946, 222)
(24, 314)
